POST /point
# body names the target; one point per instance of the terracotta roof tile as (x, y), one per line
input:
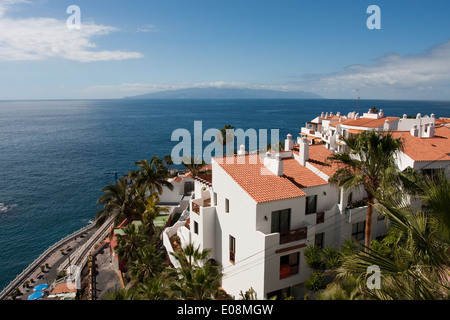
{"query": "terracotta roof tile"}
(317, 158)
(436, 148)
(262, 185)
(365, 122)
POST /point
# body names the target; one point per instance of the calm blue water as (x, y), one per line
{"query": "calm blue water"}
(54, 154)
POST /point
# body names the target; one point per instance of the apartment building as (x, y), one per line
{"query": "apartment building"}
(257, 212)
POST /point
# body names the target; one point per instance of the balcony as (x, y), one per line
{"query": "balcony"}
(293, 235)
(195, 208)
(197, 203)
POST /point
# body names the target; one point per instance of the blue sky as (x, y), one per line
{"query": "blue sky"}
(132, 47)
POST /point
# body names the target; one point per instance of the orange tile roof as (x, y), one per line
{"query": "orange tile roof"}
(264, 186)
(317, 158)
(64, 288)
(436, 148)
(355, 131)
(441, 121)
(365, 122)
(177, 179)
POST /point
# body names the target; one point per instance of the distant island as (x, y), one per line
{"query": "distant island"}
(226, 93)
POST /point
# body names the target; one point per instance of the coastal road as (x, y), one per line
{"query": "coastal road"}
(76, 251)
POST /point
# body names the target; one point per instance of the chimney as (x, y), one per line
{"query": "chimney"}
(414, 131)
(275, 165)
(304, 151)
(386, 126)
(380, 114)
(241, 150)
(278, 165)
(431, 130)
(288, 143)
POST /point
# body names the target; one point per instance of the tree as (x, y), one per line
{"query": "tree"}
(152, 210)
(225, 136)
(370, 156)
(314, 258)
(167, 160)
(151, 288)
(153, 174)
(129, 243)
(414, 260)
(434, 191)
(147, 263)
(195, 166)
(197, 279)
(117, 201)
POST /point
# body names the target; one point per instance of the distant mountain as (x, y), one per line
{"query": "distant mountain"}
(226, 93)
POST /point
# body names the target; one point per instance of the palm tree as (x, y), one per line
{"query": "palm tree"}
(370, 157)
(152, 174)
(341, 289)
(197, 279)
(129, 243)
(151, 289)
(225, 136)
(115, 201)
(417, 263)
(435, 194)
(167, 160)
(195, 166)
(147, 263)
(152, 210)
(121, 294)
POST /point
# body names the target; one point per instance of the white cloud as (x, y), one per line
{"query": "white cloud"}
(7, 4)
(423, 75)
(128, 89)
(392, 73)
(41, 38)
(148, 28)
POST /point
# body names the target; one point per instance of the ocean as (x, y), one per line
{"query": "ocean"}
(55, 156)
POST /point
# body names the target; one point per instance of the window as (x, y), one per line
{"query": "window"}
(318, 240)
(281, 220)
(311, 204)
(215, 199)
(232, 249)
(195, 227)
(358, 230)
(289, 265)
(227, 205)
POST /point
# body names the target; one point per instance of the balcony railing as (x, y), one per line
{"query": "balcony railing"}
(293, 235)
(195, 208)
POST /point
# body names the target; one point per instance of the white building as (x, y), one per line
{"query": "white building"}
(258, 212)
